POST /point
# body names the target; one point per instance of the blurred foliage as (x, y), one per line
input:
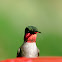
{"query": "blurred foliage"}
(15, 15)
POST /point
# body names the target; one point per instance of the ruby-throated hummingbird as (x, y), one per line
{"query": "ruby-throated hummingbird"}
(29, 48)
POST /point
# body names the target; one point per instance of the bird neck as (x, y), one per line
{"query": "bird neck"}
(30, 37)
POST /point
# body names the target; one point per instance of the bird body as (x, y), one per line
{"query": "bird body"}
(29, 48)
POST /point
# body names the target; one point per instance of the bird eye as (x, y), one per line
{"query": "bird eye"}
(28, 31)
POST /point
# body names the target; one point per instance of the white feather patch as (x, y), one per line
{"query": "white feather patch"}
(29, 50)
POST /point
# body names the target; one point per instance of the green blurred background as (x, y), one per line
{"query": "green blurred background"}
(15, 15)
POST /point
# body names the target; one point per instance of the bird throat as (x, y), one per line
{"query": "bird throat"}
(30, 37)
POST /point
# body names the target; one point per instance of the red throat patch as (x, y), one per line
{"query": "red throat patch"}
(30, 37)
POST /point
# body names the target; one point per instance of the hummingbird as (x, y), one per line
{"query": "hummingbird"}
(29, 48)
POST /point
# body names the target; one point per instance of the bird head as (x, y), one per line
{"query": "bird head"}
(30, 34)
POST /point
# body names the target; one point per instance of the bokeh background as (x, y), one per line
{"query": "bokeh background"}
(15, 15)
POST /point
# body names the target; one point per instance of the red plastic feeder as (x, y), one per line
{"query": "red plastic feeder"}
(38, 59)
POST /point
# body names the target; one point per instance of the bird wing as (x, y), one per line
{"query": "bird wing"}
(19, 53)
(38, 51)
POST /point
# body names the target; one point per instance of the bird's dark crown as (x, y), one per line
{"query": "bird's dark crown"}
(31, 29)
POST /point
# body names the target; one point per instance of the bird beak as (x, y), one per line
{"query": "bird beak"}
(37, 32)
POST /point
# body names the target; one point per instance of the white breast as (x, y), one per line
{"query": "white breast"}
(29, 49)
